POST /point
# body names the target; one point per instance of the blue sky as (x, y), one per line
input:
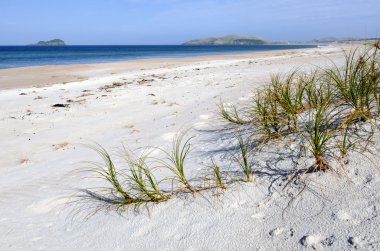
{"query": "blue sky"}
(175, 21)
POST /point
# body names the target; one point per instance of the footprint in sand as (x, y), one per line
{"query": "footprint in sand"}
(360, 242)
(329, 241)
(345, 217)
(312, 241)
(316, 241)
(282, 232)
(276, 232)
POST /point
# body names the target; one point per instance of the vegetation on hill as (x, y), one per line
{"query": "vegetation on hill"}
(54, 42)
(229, 40)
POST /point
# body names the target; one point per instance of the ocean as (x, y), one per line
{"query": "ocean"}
(21, 56)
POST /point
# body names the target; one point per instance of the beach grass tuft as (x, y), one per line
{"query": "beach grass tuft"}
(231, 114)
(175, 160)
(116, 192)
(319, 134)
(266, 114)
(142, 179)
(217, 175)
(288, 93)
(354, 84)
(242, 158)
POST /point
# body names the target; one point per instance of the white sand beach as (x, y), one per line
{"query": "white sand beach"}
(144, 103)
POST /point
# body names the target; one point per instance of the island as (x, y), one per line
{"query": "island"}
(54, 42)
(229, 40)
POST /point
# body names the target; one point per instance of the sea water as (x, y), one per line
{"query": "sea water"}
(21, 56)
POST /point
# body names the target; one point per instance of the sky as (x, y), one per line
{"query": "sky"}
(132, 22)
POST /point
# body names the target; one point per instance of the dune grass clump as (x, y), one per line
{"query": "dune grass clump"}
(322, 108)
(320, 135)
(328, 132)
(374, 75)
(175, 160)
(315, 92)
(242, 158)
(346, 142)
(356, 84)
(137, 185)
(216, 175)
(288, 93)
(266, 114)
(143, 181)
(117, 193)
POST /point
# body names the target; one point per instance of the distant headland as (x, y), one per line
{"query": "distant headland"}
(54, 42)
(254, 40)
(229, 40)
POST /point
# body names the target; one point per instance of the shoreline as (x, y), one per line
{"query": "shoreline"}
(233, 49)
(40, 76)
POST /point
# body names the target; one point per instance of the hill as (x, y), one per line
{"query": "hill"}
(54, 42)
(228, 40)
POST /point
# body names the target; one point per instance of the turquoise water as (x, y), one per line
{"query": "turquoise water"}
(20, 56)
